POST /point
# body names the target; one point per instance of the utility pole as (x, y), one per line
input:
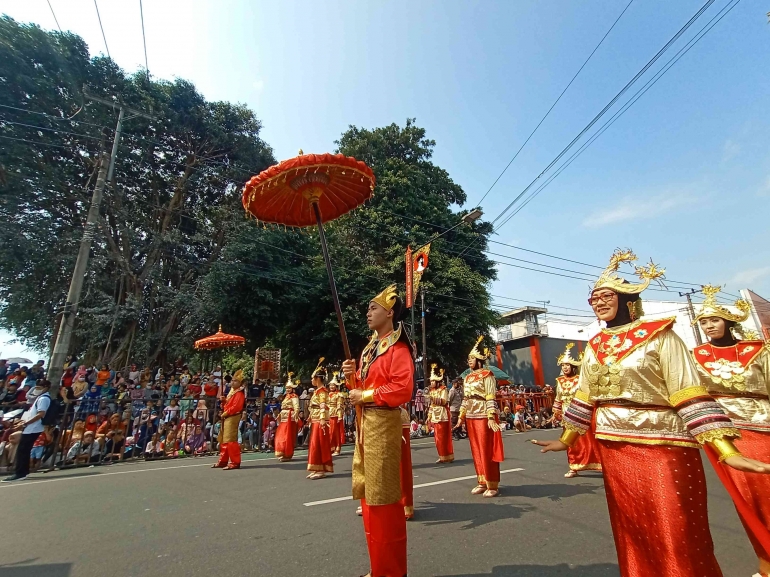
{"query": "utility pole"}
(106, 172)
(695, 329)
(424, 342)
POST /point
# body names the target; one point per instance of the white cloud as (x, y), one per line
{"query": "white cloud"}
(730, 150)
(749, 276)
(635, 208)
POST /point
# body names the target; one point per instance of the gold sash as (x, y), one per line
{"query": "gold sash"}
(378, 478)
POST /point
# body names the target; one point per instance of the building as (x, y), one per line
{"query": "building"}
(529, 340)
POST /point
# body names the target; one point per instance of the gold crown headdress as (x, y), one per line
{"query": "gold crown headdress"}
(334, 380)
(387, 298)
(609, 279)
(434, 376)
(238, 376)
(566, 357)
(476, 353)
(319, 371)
(711, 308)
(289, 382)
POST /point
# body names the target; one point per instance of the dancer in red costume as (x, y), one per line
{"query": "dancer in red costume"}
(382, 384)
(736, 372)
(640, 391)
(319, 453)
(286, 436)
(334, 416)
(229, 449)
(480, 414)
(438, 414)
(584, 454)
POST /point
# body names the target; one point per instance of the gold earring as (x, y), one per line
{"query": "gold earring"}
(631, 310)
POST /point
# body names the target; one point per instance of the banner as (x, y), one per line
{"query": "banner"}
(419, 264)
(267, 365)
(408, 262)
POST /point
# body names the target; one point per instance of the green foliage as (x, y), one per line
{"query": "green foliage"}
(174, 256)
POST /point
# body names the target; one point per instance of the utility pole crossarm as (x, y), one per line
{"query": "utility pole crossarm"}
(119, 104)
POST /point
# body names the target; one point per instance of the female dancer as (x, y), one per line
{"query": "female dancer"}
(439, 416)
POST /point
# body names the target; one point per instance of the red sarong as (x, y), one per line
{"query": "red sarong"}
(285, 439)
(487, 451)
(385, 529)
(656, 497)
(319, 454)
(753, 489)
(584, 454)
(407, 478)
(334, 437)
(443, 436)
(229, 452)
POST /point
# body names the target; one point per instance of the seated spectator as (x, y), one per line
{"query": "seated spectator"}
(9, 395)
(507, 418)
(519, 420)
(111, 436)
(414, 428)
(84, 451)
(38, 447)
(171, 411)
(196, 444)
(154, 448)
(201, 412)
(91, 423)
(171, 445)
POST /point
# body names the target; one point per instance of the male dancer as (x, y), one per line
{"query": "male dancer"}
(229, 449)
(383, 382)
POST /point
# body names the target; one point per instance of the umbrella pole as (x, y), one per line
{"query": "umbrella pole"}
(336, 299)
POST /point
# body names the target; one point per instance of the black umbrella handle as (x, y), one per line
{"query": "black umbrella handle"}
(332, 284)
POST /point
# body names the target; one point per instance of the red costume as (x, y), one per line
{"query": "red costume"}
(229, 449)
(386, 376)
(438, 415)
(319, 454)
(286, 436)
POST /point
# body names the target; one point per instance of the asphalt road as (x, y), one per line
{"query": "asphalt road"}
(182, 518)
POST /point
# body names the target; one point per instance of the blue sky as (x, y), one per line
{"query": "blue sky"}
(683, 176)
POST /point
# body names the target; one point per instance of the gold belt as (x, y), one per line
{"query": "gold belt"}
(759, 396)
(381, 408)
(632, 405)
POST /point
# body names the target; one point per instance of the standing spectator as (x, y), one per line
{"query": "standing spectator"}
(455, 400)
(31, 426)
(35, 373)
(419, 403)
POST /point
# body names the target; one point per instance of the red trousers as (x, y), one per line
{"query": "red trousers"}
(334, 436)
(385, 529)
(442, 434)
(487, 456)
(285, 439)
(656, 496)
(584, 454)
(319, 454)
(407, 479)
(229, 452)
(753, 488)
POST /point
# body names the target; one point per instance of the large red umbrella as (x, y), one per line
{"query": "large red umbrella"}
(308, 190)
(219, 340)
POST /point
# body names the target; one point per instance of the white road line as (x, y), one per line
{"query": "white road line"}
(442, 482)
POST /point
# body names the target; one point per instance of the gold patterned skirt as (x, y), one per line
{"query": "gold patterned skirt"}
(377, 464)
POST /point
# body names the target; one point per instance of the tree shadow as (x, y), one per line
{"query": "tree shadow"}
(470, 515)
(596, 570)
(50, 570)
(555, 492)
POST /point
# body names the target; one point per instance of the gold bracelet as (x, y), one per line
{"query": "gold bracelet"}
(728, 455)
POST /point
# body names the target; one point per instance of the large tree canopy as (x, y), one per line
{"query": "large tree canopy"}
(174, 255)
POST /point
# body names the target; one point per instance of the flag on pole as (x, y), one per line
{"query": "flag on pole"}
(419, 264)
(408, 262)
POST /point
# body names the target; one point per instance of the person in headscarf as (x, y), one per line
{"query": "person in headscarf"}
(196, 443)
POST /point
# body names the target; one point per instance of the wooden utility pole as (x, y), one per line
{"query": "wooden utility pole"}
(424, 342)
(695, 328)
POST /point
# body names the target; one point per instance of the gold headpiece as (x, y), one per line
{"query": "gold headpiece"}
(711, 308)
(334, 380)
(238, 376)
(434, 376)
(387, 298)
(476, 353)
(319, 371)
(566, 357)
(289, 382)
(609, 279)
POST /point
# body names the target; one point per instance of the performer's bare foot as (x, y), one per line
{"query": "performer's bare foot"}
(316, 476)
(231, 467)
(284, 460)
(491, 493)
(478, 489)
(571, 474)
(360, 511)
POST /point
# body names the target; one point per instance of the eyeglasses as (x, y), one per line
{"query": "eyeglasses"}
(602, 297)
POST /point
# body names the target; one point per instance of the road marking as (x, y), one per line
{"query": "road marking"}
(442, 482)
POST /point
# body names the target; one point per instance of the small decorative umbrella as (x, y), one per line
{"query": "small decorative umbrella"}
(219, 340)
(308, 190)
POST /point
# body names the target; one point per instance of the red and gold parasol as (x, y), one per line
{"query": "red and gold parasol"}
(308, 190)
(219, 340)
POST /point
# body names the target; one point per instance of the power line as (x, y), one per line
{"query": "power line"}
(144, 40)
(554, 104)
(54, 15)
(102, 28)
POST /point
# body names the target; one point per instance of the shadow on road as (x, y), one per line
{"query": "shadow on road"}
(472, 515)
(555, 492)
(50, 570)
(598, 570)
(439, 466)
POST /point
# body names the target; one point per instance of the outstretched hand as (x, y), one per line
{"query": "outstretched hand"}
(747, 465)
(550, 445)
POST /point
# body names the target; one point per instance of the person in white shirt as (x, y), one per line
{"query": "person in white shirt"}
(31, 426)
